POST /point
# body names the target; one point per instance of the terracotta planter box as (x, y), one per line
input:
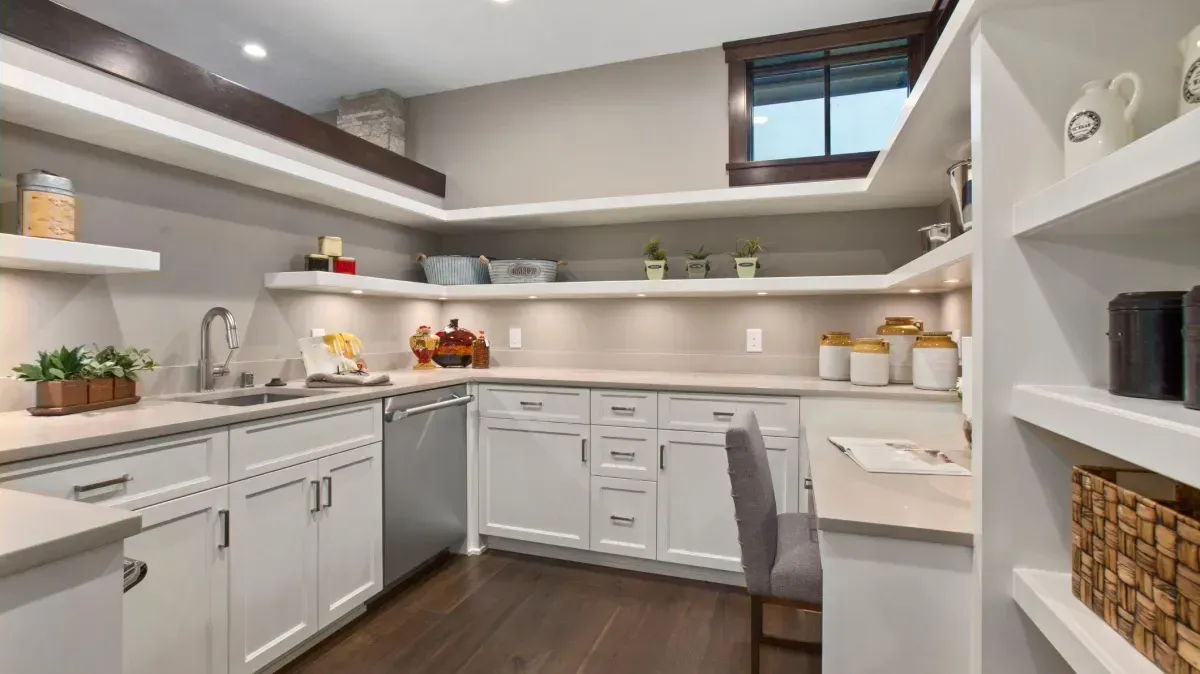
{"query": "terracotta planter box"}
(124, 388)
(62, 393)
(100, 390)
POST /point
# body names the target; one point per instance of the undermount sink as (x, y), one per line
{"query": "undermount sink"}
(246, 399)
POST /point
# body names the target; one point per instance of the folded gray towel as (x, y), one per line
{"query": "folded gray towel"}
(347, 380)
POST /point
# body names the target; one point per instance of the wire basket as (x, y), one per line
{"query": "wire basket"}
(454, 270)
(523, 271)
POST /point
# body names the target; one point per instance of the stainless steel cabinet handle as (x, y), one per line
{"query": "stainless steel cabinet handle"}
(616, 453)
(224, 517)
(527, 403)
(316, 497)
(627, 410)
(662, 457)
(618, 518)
(808, 483)
(583, 449)
(723, 414)
(83, 488)
(399, 413)
(328, 491)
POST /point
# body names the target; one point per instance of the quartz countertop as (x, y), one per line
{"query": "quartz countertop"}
(37, 530)
(848, 499)
(24, 437)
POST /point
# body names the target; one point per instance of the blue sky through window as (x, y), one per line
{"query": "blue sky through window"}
(859, 123)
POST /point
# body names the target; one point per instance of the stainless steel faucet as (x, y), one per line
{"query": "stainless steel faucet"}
(206, 381)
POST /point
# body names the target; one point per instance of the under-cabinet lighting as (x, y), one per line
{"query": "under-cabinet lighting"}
(761, 294)
(533, 297)
(915, 290)
(355, 292)
(761, 119)
(254, 50)
(641, 294)
(950, 280)
(442, 298)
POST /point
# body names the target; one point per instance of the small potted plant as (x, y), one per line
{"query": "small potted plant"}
(123, 367)
(59, 376)
(697, 265)
(656, 260)
(745, 257)
(99, 376)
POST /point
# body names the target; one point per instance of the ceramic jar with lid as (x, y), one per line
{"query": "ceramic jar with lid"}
(869, 362)
(834, 361)
(901, 333)
(47, 205)
(1145, 345)
(1191, 349)
(935, 362)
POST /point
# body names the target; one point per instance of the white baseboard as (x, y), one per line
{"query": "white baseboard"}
(616, 561)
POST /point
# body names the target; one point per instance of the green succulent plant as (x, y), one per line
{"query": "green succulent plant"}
(61, 365)
(698, 254)
(748, 248)
(655, 251)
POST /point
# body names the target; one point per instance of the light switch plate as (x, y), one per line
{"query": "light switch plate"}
(754, 340)
(514, 338)
(316, 332)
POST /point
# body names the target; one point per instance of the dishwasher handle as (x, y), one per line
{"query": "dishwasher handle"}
(395, 414)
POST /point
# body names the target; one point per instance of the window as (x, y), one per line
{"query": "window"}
(819, 105)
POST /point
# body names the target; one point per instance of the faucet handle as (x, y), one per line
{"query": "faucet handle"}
(223, 369)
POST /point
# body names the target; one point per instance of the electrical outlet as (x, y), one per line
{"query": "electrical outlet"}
(316, 332)
(514, 338)
(754, 340)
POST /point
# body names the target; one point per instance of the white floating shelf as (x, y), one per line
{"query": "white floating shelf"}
(1160, 436)
(1150, 183)
(1084, 640)
(72, 257)
(927, 273)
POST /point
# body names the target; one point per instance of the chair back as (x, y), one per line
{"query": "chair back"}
(753, 500)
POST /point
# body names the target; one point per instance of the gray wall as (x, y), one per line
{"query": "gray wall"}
(217, 239)
(639, 127)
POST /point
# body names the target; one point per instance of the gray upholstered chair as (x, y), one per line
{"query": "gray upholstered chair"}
(779, 552)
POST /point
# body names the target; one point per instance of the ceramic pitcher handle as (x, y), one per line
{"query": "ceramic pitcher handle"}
(1135, 101)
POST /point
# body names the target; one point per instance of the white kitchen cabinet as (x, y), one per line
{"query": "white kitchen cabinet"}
(535, 481)
(623, 517)
(625, 452)
(696, 523)
(177, 619)
(273, 601)
(350, 567)
(712, 412)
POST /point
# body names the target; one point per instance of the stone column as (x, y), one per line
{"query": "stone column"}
(376, 116)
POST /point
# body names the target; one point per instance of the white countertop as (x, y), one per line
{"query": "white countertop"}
(37, 530)
(23, 436)
(848, 499)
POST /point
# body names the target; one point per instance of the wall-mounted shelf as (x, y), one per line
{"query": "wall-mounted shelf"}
(72, 257)
(928, 273)
(1150, 183)
(1081, 637)
(1157, 435)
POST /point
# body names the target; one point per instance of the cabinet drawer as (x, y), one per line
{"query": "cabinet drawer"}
(129, 476)
(711, 413)
(534, 403)
(625, 408)
(624, 519)
(630, 453)
(259, 447)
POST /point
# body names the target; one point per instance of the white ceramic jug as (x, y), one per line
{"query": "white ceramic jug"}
(1189, 93)
(1101, 121)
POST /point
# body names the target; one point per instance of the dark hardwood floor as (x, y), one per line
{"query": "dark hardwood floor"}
(501, 613)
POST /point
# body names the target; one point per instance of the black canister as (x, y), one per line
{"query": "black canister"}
(1145, 345)
(1191, 349)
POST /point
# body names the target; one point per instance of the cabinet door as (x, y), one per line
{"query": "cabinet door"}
(350, 568)
(273, 565)
(696, 522)
(176, 619)
(534, 481)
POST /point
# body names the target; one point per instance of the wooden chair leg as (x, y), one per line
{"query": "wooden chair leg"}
(756, 632)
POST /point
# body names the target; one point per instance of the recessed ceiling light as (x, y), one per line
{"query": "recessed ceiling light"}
(500, 2)
(761, 119)
(762, 294)
(254, 50)
(442, 298)
(915, 290)
(950, 280)
(641, 294)
(355, 292)
(533, 297)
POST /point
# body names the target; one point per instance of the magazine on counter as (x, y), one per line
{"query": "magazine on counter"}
(887, 455)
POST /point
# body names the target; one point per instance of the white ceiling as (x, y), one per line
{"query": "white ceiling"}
(322, 49)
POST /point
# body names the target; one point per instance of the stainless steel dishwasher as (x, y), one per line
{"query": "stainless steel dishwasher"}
(424, 478)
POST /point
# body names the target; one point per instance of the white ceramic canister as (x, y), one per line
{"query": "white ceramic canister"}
(901, 333)
(1189, 93)
(869, 362)
(834, 361)
(935, 362)
(1100, 122)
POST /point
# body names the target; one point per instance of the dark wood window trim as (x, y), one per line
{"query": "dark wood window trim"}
(920, 29)
(54, 28)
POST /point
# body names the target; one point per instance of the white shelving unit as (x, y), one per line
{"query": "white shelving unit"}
(72, 257)
(928, 273)
(1149, 183)
(1087, 644)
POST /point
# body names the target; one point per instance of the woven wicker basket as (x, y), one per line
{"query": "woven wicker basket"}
(1135, 561)
(454, 270)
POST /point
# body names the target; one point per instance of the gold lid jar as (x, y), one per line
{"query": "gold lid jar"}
(871, 345)
(901, 325)
(935, 340)
(837, 339)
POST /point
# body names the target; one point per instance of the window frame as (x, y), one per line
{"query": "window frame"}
(921, 30)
